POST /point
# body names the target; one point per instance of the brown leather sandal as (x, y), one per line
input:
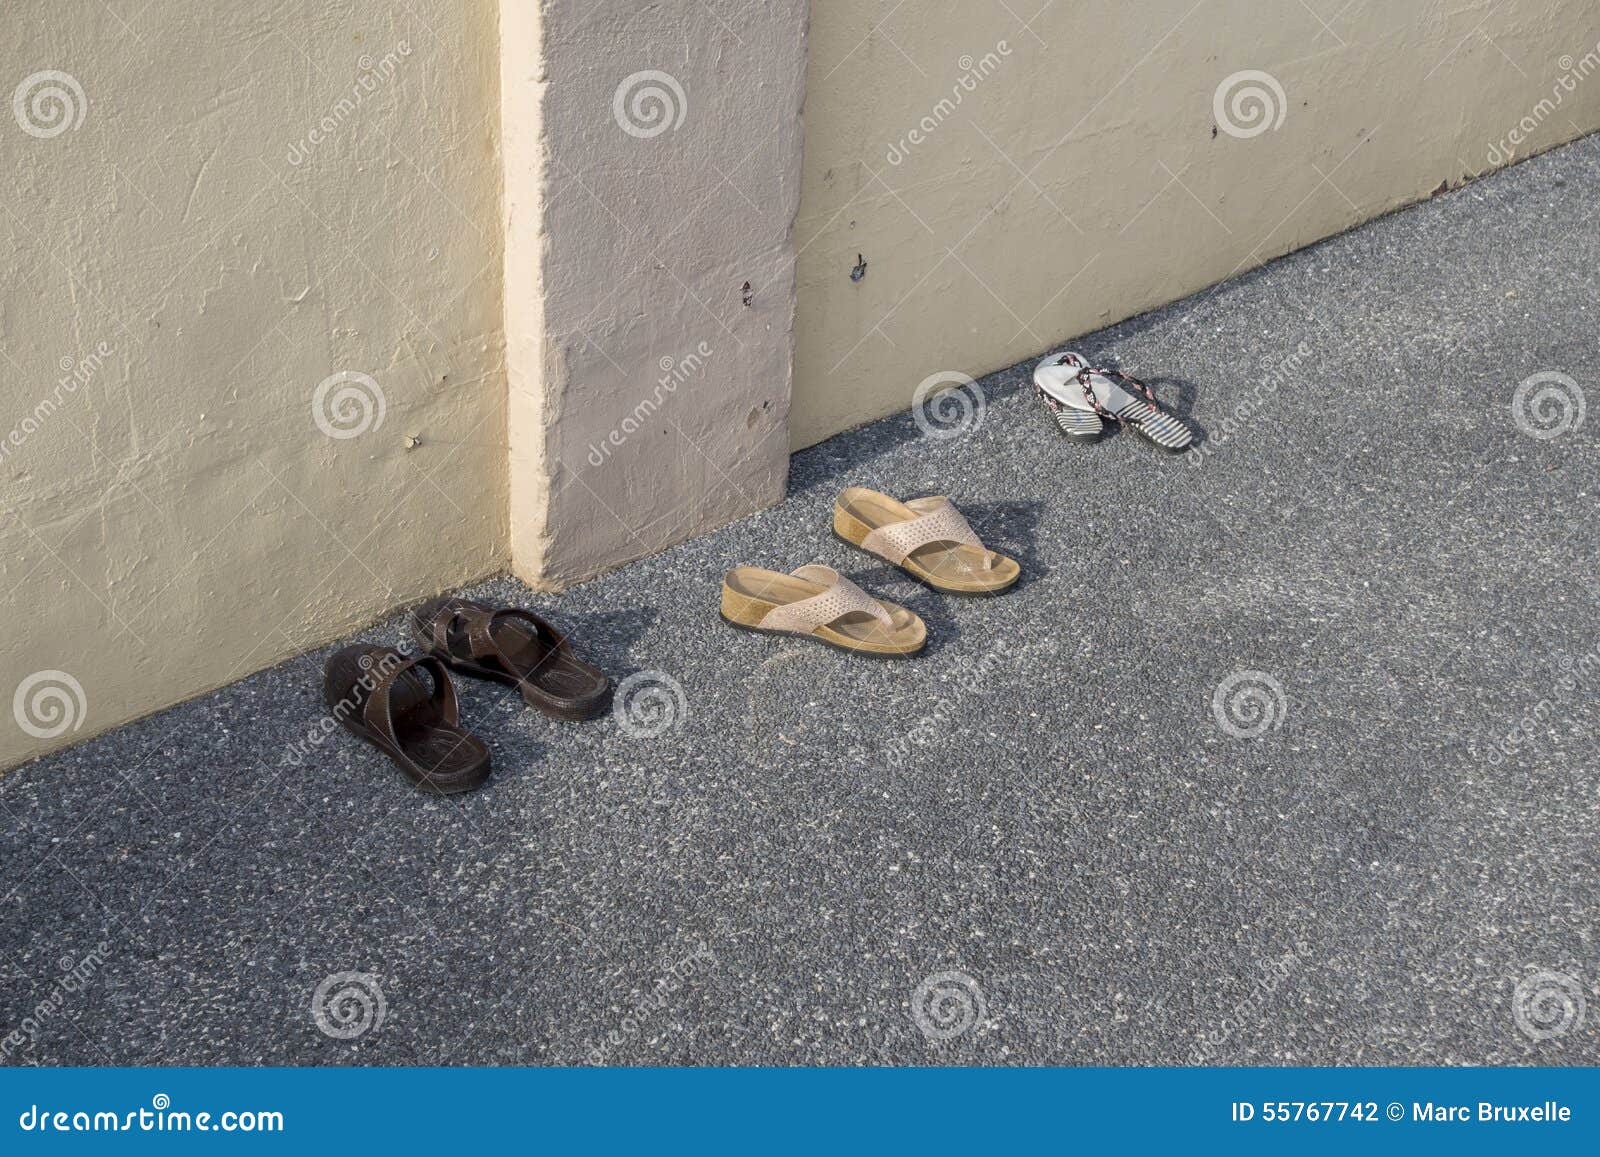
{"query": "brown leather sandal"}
(514, 647)
(379, 694)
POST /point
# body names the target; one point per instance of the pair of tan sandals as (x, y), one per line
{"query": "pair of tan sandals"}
(928, 538)
(406, 706)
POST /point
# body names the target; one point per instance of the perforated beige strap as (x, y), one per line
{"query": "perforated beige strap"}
(940, 522)
(840, 598)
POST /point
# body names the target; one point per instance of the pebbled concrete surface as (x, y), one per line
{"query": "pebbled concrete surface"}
(1121, 879)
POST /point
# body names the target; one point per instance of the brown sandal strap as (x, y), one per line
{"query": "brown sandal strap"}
(379, 713)
(480, 627)
(440, 629)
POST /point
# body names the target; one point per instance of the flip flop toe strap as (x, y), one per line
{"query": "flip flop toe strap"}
(842, 597)
(940, 521)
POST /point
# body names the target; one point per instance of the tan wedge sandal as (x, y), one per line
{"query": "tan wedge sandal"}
(820, 603)
(925, 537)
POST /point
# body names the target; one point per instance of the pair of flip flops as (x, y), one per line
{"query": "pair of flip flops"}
(1082, 400)
(928, 538)
(406, 706)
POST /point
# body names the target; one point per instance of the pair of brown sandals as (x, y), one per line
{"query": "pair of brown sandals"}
(406, 707)
(928, 538)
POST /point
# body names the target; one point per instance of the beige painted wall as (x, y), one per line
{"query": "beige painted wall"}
(652, 173)
(248, 208)
(256, 197)
(1077, 180)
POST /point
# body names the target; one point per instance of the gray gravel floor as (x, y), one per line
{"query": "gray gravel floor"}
(1381, 877)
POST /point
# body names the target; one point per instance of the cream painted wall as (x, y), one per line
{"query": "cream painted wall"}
(652, 175)
(257, 196)
(250, 207)
(1078, 179)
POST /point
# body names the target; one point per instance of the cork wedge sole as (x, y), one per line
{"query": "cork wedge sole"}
(750, 595)
(945, 565)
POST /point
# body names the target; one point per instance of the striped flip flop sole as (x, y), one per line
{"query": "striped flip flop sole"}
(1079, 425)
(1156, 426)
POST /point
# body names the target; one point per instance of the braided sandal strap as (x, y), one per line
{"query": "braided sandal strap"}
(1085, 379)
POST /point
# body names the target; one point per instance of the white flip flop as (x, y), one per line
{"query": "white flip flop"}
(1081, 398)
